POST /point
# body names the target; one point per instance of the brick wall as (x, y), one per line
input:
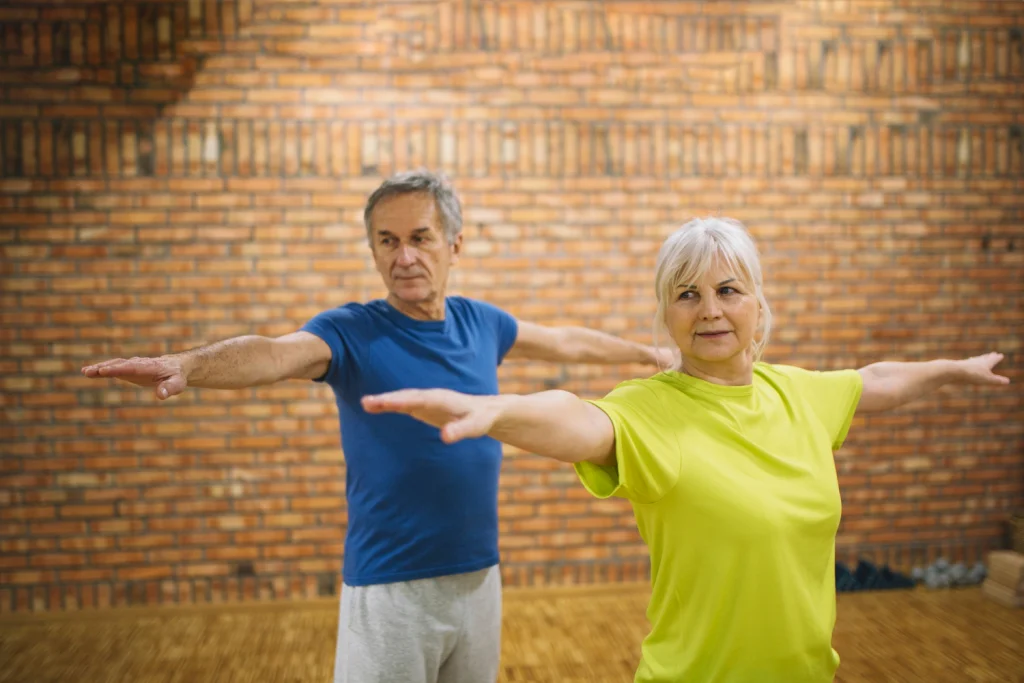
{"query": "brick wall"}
(178, 172)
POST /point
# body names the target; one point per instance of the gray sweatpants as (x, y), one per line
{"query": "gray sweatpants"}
(440, 630)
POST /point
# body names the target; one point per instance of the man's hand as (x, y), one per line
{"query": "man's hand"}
(664, 359)
(165, 373)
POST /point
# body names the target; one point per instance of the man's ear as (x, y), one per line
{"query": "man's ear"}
(456, 247)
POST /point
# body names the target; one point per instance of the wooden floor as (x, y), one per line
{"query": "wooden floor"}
(557, 635)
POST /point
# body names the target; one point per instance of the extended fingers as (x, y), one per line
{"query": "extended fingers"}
(989, 361)
(94, 369)
(393, 401)
(120, 367)
(984, 365)
(994, 358)
(128, 368)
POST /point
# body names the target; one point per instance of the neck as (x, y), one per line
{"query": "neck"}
(431, 309)
(735, 372)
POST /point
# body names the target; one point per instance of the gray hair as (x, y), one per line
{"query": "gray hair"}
(689, 252)
(421, 181)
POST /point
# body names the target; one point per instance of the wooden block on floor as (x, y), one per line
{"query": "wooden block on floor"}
(1006, 560)
(1001, 594)
(1007, 580)
(1006, 568)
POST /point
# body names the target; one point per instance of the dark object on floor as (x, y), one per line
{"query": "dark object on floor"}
(866, 576)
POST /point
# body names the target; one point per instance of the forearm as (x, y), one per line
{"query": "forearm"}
(892, 384)
(234, 363)
(591, 346)
(553, 424)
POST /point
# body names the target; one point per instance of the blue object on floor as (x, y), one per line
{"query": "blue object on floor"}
(844, 579)
(866, 576)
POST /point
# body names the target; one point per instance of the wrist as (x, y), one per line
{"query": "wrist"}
(502, 404)
(951, 370)
(939, 372)
(650, 355)
(185, 364)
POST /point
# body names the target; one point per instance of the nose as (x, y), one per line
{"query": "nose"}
(406, 256)
(710, 308)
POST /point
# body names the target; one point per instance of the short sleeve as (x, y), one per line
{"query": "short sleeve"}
(833, 395)
(504, 323)
(647, 451)
(331, 326)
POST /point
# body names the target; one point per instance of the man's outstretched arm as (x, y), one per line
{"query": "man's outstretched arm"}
(582, 345)
(235, 363)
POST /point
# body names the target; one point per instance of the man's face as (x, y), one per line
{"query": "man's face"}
(409, 247)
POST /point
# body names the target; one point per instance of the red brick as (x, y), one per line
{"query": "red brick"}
(289, 520)
(148, 541)
(175, 555)
(144, 573)
(116, 526)
(28, 577)
(86, 511)
(208, 569)
(201, 507)
(233, 553)
(143, 508)
(118, 558)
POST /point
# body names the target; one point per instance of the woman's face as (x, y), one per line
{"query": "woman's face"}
(714, 321)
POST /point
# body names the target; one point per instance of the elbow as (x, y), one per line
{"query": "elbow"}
(879, 395)
(870, 373)
(281, 365)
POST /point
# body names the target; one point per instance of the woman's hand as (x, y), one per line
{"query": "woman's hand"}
(459, 416)
(978, 370)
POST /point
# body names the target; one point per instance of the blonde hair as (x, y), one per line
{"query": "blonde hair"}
(688, 253)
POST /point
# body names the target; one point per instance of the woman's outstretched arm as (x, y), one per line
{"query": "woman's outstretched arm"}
(554, 424)
(889, 385)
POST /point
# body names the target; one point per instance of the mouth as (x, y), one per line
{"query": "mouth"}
(712, 335)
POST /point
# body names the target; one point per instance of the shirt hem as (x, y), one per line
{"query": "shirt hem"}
(413, 575)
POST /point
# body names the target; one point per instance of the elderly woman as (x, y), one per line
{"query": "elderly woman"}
(727, 461)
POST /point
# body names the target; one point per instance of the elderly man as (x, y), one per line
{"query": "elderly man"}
(421, 600)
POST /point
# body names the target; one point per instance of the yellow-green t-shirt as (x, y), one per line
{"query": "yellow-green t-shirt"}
(735, 492)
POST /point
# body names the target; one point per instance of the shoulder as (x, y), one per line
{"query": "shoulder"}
(790, 378)
(798, 374)
(774, 370)
(475, 306)
(644, 395)
(479, 313)
(350, 315)
(784, 375)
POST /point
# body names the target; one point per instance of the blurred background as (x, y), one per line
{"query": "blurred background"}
(176, 172)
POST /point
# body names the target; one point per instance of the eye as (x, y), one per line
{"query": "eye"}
(687, 294)
(726, 291)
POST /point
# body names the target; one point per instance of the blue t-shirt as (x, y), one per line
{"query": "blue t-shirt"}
(417, 507)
